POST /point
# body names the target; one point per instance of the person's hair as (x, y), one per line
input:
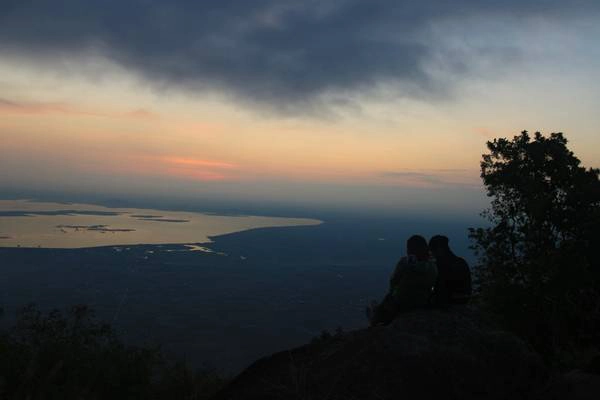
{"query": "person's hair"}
(439, 242)
(416, 245)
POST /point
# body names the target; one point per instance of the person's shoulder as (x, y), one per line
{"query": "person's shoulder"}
(461, 263)
(406, 261)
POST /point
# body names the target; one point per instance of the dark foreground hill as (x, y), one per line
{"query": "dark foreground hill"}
(429, 354)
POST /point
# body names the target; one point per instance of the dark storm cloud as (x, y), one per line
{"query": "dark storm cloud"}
(271, 51)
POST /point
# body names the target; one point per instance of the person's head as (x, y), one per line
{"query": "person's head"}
(439, 245)
(416, 245)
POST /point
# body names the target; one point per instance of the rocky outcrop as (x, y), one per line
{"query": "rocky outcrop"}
(441, 354)
(574, 385)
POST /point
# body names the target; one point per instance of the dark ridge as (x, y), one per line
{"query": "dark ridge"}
(111, 229)
(164, 220)
(100, 228)
(81, 226)
(430, 354)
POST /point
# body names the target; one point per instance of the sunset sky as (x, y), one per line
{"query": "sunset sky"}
(379, 103)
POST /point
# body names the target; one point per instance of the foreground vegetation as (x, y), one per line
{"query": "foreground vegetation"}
(73, 356)
(539, 269)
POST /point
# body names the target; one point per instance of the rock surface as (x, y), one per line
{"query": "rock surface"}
(441, 354)
(574, 385)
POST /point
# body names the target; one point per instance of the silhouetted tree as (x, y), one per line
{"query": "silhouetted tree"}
(539, 266)
(73, 356)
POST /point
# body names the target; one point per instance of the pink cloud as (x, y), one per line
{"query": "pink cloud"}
(194, 162)
(198, 169)
(11, 107)
(141, 113)
(39, 108)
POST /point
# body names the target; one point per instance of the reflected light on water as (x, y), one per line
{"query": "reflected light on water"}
(26, 223)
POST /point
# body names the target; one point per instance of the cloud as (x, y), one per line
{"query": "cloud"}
(417, 177)
(433, 177)
(8, 107)
(282, 53)
(194, 162)
(13, 107)
(198, 169)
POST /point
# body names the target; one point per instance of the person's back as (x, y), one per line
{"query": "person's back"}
(454, 281)
(412, 283)
(453, 285)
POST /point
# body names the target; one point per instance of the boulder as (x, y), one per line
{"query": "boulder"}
(443, 354)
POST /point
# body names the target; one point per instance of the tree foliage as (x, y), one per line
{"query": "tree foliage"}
(538, 259)
(73, 356)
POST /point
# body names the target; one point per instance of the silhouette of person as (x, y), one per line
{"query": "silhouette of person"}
(453, 285)
(411, 284)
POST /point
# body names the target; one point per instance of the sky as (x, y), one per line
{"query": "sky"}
(380, 104)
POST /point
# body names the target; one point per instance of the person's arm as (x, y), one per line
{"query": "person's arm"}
(398, 274)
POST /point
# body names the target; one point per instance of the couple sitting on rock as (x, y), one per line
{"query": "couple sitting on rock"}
(421, 280)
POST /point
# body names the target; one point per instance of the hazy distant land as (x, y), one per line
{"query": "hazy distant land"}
(218, 281)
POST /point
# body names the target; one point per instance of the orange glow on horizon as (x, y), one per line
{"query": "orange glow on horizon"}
(197, 169)
(193, 162)
(71, 128)
(197, 175)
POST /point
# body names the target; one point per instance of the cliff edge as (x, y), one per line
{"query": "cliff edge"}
(451, 354)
